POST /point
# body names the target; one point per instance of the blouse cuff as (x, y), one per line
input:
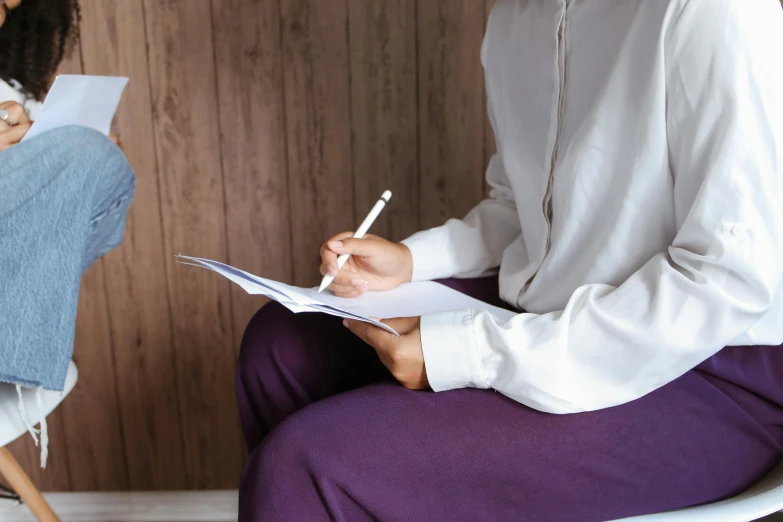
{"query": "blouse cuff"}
(451, 355)
(431, 255)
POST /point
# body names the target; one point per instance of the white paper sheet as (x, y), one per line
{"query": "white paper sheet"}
(408, 300)
(74, 99)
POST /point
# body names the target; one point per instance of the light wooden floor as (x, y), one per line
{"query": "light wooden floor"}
(169, 506)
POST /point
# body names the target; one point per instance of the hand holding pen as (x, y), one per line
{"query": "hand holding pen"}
(370, 262)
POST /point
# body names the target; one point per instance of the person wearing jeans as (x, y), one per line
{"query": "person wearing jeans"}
(64, 196)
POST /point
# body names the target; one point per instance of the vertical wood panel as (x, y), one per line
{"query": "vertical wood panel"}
(186, 119)
(56, 476)
(257, 128)
(383, 105)
(91, 413)
(252, 129)
(317, 105)
(113, 43)
(451, 114)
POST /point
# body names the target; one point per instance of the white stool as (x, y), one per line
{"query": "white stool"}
(762, 499)
(12, 427)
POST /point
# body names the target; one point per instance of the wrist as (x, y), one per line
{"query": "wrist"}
(406, 262)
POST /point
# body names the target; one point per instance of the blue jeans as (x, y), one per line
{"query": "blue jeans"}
(63, 200)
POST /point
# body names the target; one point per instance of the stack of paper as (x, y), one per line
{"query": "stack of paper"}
(408, 300)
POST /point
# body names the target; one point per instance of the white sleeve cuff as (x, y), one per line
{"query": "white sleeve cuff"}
(451, 355)
(431, 254)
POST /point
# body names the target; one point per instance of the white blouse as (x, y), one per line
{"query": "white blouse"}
(13, 93)
(636, 211)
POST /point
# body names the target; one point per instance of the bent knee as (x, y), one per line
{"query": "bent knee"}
(268, 328)
(283, 448)
(100, 167)
(289, 346)
(301, 441)
(280, 466)
(269, 323)
(80, 141)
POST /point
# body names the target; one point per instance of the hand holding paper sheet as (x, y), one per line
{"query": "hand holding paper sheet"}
(74, 99)
(408, 300)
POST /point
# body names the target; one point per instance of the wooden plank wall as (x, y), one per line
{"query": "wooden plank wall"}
(257, 128)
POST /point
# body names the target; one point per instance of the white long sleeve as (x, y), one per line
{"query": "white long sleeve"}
(9, 92)
(711, 109)
(474, 245)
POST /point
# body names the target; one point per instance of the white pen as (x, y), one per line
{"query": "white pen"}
(360, 232)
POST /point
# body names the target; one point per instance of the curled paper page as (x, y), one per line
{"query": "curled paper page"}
(407, 300)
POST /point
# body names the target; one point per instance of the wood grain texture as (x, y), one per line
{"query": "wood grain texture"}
(384, 112)
(113, 35)
(56, 476)
(91, 414)
(184, 100)
(318, 121)
(252, 138)
(451, 108)
(257, 129)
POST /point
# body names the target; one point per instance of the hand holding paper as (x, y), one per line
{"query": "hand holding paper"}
(407, 300)
(402, 354)
(74, 99)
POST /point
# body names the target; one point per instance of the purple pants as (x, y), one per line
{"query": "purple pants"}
(333, 437)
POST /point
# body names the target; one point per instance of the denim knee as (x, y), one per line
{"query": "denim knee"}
(102, 173)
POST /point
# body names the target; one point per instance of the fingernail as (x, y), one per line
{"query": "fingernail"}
(366, 283)
(358, 282)
(336, 244)
(375, 318)
(345, 323)
(333, 270)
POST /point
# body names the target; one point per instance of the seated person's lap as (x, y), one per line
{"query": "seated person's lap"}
(380, 450)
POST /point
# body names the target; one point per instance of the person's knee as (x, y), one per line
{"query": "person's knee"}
(265, 333)
(285, 449)
(80, 142)
(98, 165)
(284, 467)
(299, 445)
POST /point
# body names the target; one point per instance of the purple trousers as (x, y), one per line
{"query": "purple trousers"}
(333, 437)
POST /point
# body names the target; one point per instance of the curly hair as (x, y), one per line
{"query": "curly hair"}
(33, 40)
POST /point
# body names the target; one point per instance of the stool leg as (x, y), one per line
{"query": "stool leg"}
(25, 488)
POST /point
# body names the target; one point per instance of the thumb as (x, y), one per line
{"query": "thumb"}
(402, 325)
(365, 331)
(357, 247)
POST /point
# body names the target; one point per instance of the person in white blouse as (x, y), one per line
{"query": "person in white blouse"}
(636, 225)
